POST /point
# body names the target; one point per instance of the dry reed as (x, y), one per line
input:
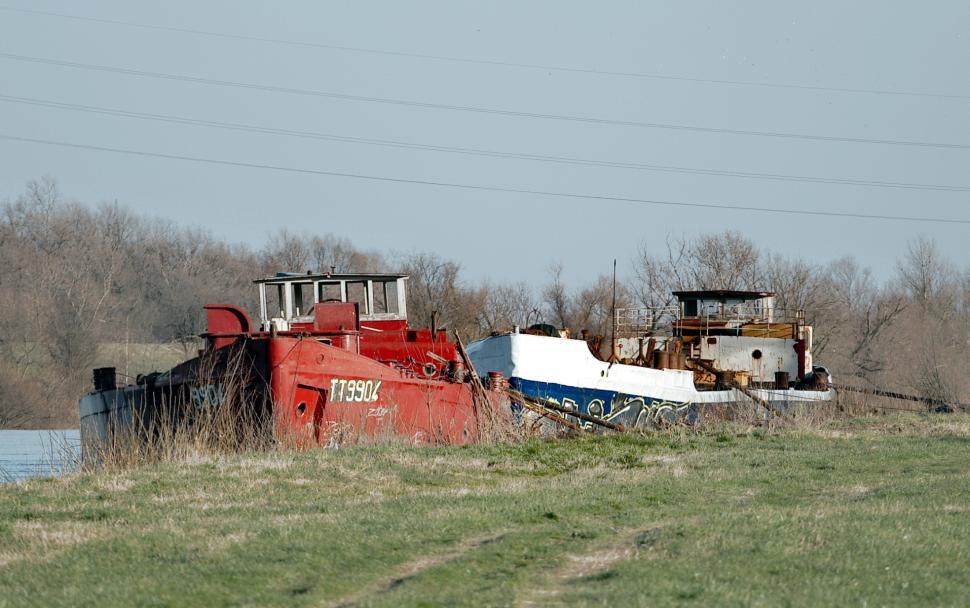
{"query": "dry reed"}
(222, 409)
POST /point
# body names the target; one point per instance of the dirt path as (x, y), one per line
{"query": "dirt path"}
(623, 545)
(414, 568)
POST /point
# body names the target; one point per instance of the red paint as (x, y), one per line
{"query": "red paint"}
(334, 377)
(225, 319)
(800, 351)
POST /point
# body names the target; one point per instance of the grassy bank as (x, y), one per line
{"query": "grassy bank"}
(864, 513)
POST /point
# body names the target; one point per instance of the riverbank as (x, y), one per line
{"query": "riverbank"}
(869, 511)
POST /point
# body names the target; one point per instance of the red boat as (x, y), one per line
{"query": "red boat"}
(333, 356)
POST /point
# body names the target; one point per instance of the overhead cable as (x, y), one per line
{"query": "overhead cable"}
(488, 188)
(473, 109)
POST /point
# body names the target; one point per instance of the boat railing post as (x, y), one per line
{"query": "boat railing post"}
(402, 301)
(288, 297)
(263, 316)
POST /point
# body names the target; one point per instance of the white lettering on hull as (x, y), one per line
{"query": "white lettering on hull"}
(354, 391)
(207, 396)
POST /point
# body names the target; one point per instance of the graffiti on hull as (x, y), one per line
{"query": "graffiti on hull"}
(635, 411)
(631, 411)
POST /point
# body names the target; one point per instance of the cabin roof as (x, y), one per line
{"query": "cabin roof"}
(722, 293)
(331, 276)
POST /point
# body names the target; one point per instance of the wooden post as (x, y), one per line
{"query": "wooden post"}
(478, 388)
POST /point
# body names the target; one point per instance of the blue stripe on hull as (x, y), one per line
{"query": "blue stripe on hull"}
(627, 409)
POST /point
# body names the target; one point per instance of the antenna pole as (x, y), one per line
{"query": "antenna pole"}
(613, 354)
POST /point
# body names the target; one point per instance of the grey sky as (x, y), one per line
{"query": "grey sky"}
(917, 47)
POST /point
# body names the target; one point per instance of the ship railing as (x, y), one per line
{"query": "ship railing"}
(634, 322)
(743, 313)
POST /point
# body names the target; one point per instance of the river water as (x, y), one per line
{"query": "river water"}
(43, 453)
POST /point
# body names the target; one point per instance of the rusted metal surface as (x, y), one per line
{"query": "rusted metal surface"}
(770, 330)
(496, 381)
(781, 380)
(647, 358)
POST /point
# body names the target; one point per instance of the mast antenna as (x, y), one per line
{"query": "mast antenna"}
(613, 354)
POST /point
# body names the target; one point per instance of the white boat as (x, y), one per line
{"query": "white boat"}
(717, 347)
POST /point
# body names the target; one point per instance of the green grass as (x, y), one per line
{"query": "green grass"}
(864, 513)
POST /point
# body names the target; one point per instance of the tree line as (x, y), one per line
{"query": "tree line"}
(75, 278)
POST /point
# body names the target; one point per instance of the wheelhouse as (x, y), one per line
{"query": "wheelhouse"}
(727, 304)
(291, 296)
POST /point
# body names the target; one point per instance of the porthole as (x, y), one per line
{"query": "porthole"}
(756, 354)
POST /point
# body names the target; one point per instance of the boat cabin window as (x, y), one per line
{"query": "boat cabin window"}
(357, 292)
(277, 301)
(385, 297)
(302, 298)
(330, 292)
(725, 304)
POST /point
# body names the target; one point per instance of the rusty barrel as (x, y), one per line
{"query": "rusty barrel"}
(496, 381)
(781, 380)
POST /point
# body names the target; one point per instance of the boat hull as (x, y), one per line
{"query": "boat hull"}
(322, 394)
(305, 392)
(564, 371)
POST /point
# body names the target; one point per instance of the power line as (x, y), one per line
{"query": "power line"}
(489, 62)
(475, 151)
(420, 182)
(475, 109)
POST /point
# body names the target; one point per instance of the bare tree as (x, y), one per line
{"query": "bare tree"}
(724, 261)
(593, 305)
(797, 284)
(556, 300)
(330, 252)
(658, 276)
(717, 261)
(287, 252)
(854, 331)
(507, 305)
(934, 333)
(928, 279)
(435, 287)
